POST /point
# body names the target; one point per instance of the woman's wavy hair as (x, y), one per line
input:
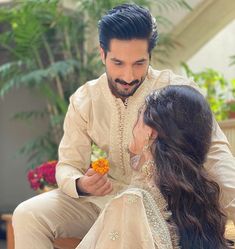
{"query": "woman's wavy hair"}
(183, 120)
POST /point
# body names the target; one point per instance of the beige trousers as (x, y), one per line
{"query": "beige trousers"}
(41, 219)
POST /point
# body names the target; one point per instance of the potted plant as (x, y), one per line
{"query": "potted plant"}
(48, 52)
(219, 92)
(42, 177)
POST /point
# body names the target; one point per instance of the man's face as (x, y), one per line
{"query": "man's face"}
(126, 64)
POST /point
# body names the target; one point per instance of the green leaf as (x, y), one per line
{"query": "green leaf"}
(39, 150)
(38, 76)
(232, 60)
(25, 116)
(48, 52)
(216, 86)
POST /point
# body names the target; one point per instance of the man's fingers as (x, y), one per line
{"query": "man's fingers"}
(94, 175)
(108, 190)
(105, 189)
(100, 182)
(90, 172)
(95, 183)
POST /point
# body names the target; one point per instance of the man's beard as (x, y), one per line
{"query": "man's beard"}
(122, 94)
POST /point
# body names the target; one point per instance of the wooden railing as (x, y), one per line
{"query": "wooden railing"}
(71, 243)
(228, 127)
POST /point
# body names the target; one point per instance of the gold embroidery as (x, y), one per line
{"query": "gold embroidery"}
(131, 199)
(156, 220)
(118, 156)
(120, 133)
(114, 235)
(148, 168)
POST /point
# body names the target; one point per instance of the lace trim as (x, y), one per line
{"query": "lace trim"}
(164, 233)
(158, 225)
(155, 205)
(157, 200)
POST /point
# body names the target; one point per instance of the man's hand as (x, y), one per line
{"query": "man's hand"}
(94, 183)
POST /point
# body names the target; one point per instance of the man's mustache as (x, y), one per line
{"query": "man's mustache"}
(122, 82)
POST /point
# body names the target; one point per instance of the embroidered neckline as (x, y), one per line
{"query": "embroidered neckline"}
(122, 119)
(125, 102)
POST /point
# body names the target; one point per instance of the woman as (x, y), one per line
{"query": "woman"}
(172, 202)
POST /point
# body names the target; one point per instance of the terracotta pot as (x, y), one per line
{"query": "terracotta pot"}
(231, 115)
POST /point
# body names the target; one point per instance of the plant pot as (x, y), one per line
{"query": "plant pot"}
(45, 189)
(231, 115)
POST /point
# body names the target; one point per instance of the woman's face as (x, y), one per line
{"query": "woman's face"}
(141, 133)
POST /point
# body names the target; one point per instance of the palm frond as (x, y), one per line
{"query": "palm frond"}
(28, 21)
(47, 50)
(29, 115)
(62, 68)
(40, 149)
(54, 98)
(57, 119)
(30, 79)
(165, 45)
(164, 21)
(232, 60)
(166, 5)
(9, 68)
(39, 76)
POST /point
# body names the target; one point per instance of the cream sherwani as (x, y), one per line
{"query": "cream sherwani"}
(94, 114)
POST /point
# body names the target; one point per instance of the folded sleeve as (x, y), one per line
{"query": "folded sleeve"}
(75, 146)
(221, 164)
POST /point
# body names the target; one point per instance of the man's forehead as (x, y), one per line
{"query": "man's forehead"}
(135, 44)
(128, 50)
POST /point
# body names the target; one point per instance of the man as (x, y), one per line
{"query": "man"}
(104, 111)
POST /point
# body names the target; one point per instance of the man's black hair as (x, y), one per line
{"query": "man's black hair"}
(126, 22)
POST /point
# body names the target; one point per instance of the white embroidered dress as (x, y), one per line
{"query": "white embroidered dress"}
(94, 114)
(134, 219)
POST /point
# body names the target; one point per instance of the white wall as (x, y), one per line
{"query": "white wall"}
(14, 187)
(176, 15)
(215, 54)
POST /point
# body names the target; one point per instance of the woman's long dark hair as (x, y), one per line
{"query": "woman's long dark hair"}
(183, 120)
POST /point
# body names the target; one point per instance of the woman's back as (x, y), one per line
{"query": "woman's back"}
(183, 120)
(172, 201)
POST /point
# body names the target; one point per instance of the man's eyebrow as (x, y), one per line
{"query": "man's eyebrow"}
(138, 61)
(141, 60)
(115, 59)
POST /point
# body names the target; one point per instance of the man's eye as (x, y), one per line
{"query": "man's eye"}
(118, 63)
(139, 63)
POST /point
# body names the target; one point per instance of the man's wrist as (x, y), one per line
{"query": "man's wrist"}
(79, 191)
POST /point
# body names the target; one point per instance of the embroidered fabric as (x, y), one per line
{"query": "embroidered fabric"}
(122, 121)
(137, 218)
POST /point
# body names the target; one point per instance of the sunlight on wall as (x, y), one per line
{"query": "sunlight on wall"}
(215, 54)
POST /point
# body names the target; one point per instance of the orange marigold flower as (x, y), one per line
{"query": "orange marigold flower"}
(101, 166)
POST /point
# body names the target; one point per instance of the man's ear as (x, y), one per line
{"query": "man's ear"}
(102, 55)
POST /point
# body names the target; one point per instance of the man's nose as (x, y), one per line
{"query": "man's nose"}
(128, 75)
